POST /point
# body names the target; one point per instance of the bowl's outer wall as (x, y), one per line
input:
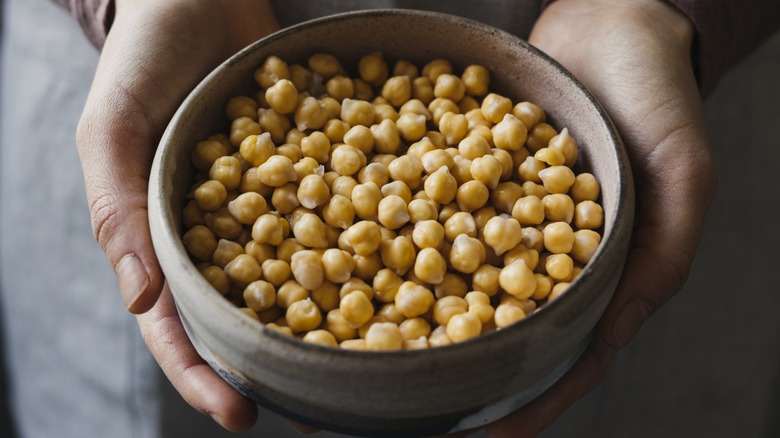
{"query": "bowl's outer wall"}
(360, 389)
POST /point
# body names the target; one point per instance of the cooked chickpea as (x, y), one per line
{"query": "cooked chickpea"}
(373, 69)
(210, 195)
(539, 136)
(476, 79)
(325, 65)
(502, 234)
(384, 336)
(313, 192)
(550, 156)
(463, 327)
(466, 254)
(558, 207)
(430, 266)
(558, 237)
(241, 128)
(447, 307)
(557, 179)
(392, 212)
(364, 237)
(310, 231)
(272, 70)
(487, 170)
(326, 296)
(517, 279)
(507, 314)
(307, 269)
(453, 126)
(449, 86)
(441, 186)
(559, 266)
(387, 138)
(285, 198)
(398, 254)
(588, 215)
(223, 224)
(342, 185)
(411, 127)
(206, 152)
(365, 199)
(217, 278)
(407, 169)
(585, 244)
(339, 327)
(460, 223)
(276, 272)
(339, 212)
(303, 316)
(397, 90)
(439, 338)
(356, 308)
(241, 106)
(529, 113)
(521, 252)
(259, 295)
(357, 112)
(282, 96)
(267, 229)
(528, 210)
(243, 269)
(277, 171)
(413, 299)
(510, 133)
(472, 195)
(428, 234)
(225, 252)
(300, 76)
(320, 337)
(422, 89)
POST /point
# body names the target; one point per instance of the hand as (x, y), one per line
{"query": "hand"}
(155, 53)
(635, 58)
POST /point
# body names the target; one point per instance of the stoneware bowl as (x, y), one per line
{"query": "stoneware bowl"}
(409, 393)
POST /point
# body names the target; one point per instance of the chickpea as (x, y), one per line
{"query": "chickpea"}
(558, 207)
(487, 170)
(413, 299)
(531, 188)
(411, 127)
(365, 199)
(415, 328)
(277, 171)
(285, 198)
(539, 136)
(472, 195)
(357, 112)
(521, 252)
(559, 266)
(422, 89)
(502, 234)
(550, 156)
(430, 266)
(243, 270)
(588, 215)
(463, 327)
(250, 182)
(495, 107)
(585, 244)
(440, 106)
(347, 160)
(342, 185)
(428, 234)
(241, 106)
(210, 195)
(303, 316)
(441, 186)
(439, 338)
(290, 292)
(356, 308)
(300, 76)
(223, 224)
(310, 113)
(364, 237)
(313, 192)
(259, 295)
(507, 314)
(452, 285)
(434, 68)
(517, 279)
(392, 212)
(217, 278)
(485, 279)
(528, 210)
(206, 152)
(447, 307)
(384, 336)
(276, 272)
(225, 252)
(565, 144)
(267, 229)
(407, 169)
(272, 70)
(466, 254)
(529, 113)
(460, 223)
(585, 188)
(191, 215)
(325, 65)
(397, 90)
(309, 230)
(338, 326)
(398, 254)
(282, 96)
(453, 126)
(320, 337)
(510, 133)
(242, 128)
(449, 86)
(387, 138)
(337, 265)
(339, 212)
(307, 269)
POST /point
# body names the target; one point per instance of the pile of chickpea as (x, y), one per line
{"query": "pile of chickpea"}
(403, 208)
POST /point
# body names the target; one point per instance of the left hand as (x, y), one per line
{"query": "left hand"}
(635, 57)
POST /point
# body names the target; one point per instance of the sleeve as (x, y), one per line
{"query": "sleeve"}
(726, 32)
(94, 17)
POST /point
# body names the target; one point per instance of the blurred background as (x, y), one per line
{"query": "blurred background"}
(708, 363)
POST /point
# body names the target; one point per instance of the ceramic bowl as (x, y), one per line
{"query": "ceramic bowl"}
(404, 393)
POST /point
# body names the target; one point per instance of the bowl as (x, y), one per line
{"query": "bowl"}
(405, 393)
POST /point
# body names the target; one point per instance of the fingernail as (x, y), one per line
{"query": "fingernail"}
(132, 279)
(629, 320)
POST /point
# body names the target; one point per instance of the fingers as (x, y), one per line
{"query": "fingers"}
(197, 383)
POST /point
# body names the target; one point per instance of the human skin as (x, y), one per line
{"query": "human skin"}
(633, 56)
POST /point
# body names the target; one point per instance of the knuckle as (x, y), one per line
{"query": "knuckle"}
(105, 219)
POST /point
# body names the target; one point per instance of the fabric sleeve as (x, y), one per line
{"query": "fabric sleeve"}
(726, 32)
(94, 17)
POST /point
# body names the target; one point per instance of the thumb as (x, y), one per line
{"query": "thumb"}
(116, 157)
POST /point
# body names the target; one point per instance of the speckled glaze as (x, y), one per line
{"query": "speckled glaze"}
(400, 393)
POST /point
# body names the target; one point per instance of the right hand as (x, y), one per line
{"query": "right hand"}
(155, 53)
